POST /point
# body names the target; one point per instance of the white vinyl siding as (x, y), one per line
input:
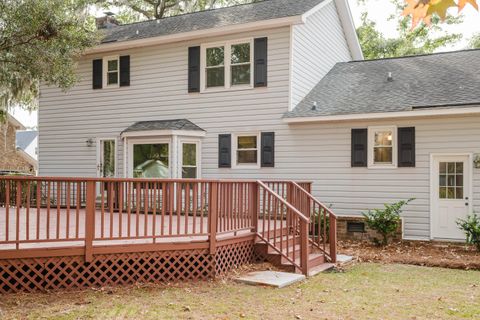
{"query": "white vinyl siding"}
(317, 46)
(311, 152)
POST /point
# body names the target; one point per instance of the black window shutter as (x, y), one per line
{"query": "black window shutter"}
(260, 61)
(406, 147)
(268, 149)
(225, 151)
(194, 69)
(124, 71)
(359, 147)
(97, 78)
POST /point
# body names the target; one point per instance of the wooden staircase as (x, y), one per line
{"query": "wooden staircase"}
(297, 232)
(317, 261)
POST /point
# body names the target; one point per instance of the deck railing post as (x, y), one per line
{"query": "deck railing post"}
(304, 254)
(333, 238)
(89, 220)
(254, 205)
(213, 216)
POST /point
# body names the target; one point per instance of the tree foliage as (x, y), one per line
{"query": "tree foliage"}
(422, 40)
(39, 42)
(136, 10)
(474, 42)
(426, 10)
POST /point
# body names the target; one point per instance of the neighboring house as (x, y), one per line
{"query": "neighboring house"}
(27, 146)
(12, 160)
(243, 92)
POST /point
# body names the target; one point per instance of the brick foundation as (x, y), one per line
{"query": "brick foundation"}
(368, 234)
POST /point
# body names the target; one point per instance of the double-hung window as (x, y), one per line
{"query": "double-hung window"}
(111, 69)
(382, 147)
(227, 65)
(246, 150)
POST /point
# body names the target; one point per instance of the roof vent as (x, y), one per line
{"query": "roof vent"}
(389, 77)
(314, 107)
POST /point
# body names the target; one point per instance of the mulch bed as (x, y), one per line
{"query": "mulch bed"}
(430, 254)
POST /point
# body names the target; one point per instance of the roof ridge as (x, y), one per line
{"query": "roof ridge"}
(413, 56)
(254, 2)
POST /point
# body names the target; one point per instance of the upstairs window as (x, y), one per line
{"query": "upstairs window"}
(112, 71)
(227, 65)
(382, 147)
(215, 67)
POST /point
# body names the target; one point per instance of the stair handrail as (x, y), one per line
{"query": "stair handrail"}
(304, 224)
(332, 254)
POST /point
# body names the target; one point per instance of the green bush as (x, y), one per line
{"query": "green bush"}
(471, 227)
(318, 218)
(385, 221)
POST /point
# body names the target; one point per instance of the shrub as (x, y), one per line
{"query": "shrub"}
(471, 227)
(385, 221)
(318, 217)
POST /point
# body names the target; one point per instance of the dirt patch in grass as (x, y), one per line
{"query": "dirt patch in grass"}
(431, 254)
(361, 291)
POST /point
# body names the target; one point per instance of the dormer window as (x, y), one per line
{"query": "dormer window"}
(227, 65)
(112, 71)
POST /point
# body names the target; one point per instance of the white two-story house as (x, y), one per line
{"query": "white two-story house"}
(243, 92)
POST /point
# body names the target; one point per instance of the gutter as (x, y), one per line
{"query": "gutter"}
(387, 115)
(129, 44)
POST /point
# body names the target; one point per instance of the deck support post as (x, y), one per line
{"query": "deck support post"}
(254, 205)
(212, 216)
(89, 220)
(304, 254)
(333, 238)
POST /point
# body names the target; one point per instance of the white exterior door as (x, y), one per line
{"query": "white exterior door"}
(450, 194)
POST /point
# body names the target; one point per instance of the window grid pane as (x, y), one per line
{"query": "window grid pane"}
(451, 182)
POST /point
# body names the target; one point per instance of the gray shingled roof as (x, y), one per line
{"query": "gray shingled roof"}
(25, 138)
(259, 11)
(178, 124)
(437, 80)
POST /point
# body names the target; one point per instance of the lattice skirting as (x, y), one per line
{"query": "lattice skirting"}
(71, 272)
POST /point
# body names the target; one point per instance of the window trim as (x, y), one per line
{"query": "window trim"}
(371, 146)
(226, 64)
(105, 71)
(196, 142)
(235, 136)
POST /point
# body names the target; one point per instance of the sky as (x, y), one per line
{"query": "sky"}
(378, 11)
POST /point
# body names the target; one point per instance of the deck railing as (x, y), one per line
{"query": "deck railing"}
(87, 212)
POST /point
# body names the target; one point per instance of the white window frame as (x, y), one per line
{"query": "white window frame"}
(235, 165)
(181, 142)
(133, 142)
(227, 65)
(105, 71)
(371, 146)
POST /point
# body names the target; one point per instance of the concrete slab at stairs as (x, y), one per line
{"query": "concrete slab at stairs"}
(271, 278)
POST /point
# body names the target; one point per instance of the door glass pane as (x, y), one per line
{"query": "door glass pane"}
(451, 181)
(108, 157)
(189, 173)
(151, 161)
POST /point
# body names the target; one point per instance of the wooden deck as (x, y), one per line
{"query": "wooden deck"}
(58, 232)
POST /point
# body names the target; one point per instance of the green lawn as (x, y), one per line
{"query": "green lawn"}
(363, 291)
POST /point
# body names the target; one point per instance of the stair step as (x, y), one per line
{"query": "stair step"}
(320, 268)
